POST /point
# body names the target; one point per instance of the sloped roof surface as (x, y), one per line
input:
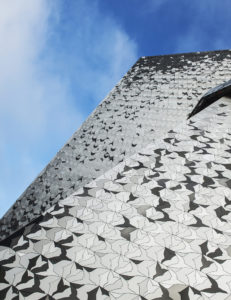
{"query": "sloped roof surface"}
(156, 226)
(152, 98)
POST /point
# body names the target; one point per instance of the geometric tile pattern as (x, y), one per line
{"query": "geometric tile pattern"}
(154, 97)
(156, 226)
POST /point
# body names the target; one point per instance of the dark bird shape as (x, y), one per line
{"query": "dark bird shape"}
(227, 166)
(85, 192)
(214, 287)
(221, 212)
(198, 223)
(154, 175)
(220, 175)
(169, 140)
(61, 287)
(35, 287)
(141, 154)
(140, 166)
(125, 233)
(92, 295)
(162, 182)
(214, 254)
(119, 176)
(205, 263)
(159, 271)
(145, 180)
(165, 294)
(165, 218)
(156, 190)
(126, 277)
(162, 205)
(168, 254)
(204, 247)
(126, 223)
(101, 238)
(175, 188)
(131, 197)
(189, 184)
(113, 192)
(227, 201)
(184, 294)
(135, 261)
(193, 206)
(207, 181)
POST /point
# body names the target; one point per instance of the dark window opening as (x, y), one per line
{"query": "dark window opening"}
(211, 96)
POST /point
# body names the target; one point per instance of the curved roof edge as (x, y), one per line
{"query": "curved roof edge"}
(211, 96)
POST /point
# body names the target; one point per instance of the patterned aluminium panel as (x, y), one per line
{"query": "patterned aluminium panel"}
(156, 226)
(152, 98)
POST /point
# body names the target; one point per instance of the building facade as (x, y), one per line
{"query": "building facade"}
(137, 204)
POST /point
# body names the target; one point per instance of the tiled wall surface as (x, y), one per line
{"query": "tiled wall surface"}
(154, 97)
(156, 226)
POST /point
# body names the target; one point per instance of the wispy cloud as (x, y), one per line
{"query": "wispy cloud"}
(58, 59)
(92, 44)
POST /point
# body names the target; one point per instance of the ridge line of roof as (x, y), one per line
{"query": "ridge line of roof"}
(186, 53)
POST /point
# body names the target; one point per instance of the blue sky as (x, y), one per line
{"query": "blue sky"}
(59, 59)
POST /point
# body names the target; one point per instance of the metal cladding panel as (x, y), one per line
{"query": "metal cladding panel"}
(156, 226)
(155, 96)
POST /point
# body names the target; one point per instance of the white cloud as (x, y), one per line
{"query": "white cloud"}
(98, 48)
(46, 76)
